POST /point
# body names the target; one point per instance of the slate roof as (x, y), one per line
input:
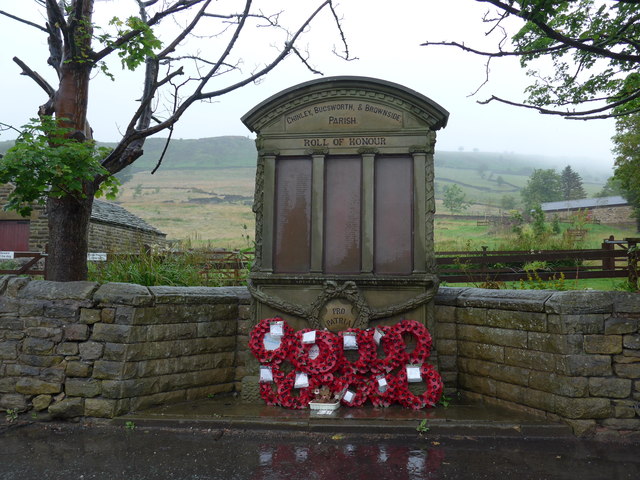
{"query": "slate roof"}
(584, 203)
(108, 212)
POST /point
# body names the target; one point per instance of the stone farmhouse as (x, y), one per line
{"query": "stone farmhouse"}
(608, 210)
(112, 229)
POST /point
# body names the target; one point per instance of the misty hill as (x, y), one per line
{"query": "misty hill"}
(473, 168)
(197, 154)
(201, 153)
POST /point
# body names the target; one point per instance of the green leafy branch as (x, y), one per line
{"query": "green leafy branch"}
(135, 50)
(46, 162)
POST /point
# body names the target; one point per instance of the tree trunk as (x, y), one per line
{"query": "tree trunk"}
(68, 237)
(69, 215)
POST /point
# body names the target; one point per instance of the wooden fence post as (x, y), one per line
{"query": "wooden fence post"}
(45, 274)
(608, 263)
(485, 266)
(632, 256)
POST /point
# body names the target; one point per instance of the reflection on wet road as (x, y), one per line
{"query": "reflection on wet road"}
(43, 452)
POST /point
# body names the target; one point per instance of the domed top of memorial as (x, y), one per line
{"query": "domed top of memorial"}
(345, 103)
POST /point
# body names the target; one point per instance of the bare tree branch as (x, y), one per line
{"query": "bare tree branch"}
(130, 147)
(22, 20)
(338, 23)
(500, 53)
(572, 115)
(5, 126)
(186, 31)
(171, 10)
(305, 62)
(42, 83)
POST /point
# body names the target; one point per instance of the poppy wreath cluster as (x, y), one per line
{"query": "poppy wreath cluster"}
(324, 363)
(431, 395)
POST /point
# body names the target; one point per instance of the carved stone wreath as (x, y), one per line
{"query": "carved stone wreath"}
(348, 291)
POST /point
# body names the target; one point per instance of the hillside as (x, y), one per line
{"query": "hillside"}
(204, 188)
(201, 153)
(237, 151)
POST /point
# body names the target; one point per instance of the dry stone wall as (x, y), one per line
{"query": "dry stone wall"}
(111, 238)
(80, 349)
(571, 355)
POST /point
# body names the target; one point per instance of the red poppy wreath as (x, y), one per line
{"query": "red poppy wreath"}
(358, 389)
(431, 395)
(322, 356)
(285, 393)
(393, 348)
(382, 396)
(269, 390)
(266, 348)
(422, 349)
(366, 351)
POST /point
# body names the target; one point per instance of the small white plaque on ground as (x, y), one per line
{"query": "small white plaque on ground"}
(97, 257)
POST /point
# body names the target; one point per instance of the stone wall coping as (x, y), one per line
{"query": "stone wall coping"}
(48, 290)
(200, 294)
(549, 301)
(583, 301)
(123, 293)
(522, 300)
(449, 295)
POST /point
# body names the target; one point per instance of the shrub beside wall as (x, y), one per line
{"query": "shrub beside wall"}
(79, 349)
(572, 355)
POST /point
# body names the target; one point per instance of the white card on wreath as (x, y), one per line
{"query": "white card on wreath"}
(276, 329)
(270, 342)
(309, 337)
(266, 375)
(382, 384)
(413, 373)
(349, 396)
(349, 341)
(302, 380)
(314, 352)
(377, 336)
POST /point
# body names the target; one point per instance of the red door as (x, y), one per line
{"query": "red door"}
(14, 235)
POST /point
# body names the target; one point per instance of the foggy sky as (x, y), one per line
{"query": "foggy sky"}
(385, 36)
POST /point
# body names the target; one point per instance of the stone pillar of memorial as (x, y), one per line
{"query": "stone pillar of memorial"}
(344, 205)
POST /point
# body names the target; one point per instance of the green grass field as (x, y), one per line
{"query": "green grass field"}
(606, 284)
(454, 234)
(191, 207)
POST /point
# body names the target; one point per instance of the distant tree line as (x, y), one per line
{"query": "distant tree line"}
(546, 185)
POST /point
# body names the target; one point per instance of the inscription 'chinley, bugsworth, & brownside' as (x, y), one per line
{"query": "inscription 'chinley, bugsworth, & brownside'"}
(342, 108)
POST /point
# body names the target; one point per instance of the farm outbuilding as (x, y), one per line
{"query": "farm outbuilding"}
(112, 229)
(607, 210)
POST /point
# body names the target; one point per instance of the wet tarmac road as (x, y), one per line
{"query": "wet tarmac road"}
(76, 452)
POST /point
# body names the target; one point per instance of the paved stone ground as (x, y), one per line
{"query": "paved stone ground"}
(459, 418)
(46, 451)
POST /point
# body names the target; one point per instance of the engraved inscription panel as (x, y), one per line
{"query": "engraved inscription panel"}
(393, 215)
(344, 115)
(343, 178)
(292, 234)
(338, 314)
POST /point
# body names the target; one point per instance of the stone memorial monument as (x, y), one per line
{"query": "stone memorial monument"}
(344, 204)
